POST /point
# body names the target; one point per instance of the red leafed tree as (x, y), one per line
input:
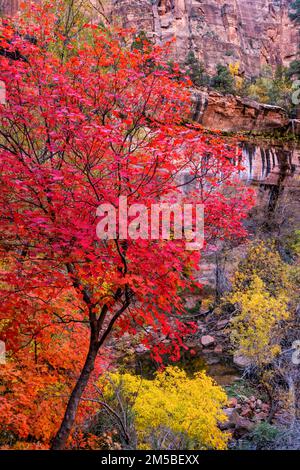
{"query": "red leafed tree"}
(89, 118)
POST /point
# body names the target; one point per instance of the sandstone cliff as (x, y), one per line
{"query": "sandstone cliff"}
(254, 33)
(8, 7)
(234, 114)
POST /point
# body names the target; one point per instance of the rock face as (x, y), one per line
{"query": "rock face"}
(254, 33)
(268, 165)
(8, 7)
(251, 32)
(234, 114)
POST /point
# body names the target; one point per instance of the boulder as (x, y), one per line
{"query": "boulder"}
(241, 361)
(218, 349)
(232, 416)
(243, 425)
(233, 402)
(246, 411)
(211, 360)
(207, 340)
(235, 114)
(222, 324)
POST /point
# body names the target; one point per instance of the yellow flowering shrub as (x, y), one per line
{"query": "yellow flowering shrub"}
(262, 290)
(255, 329)
(173, 403)
(234, 69)
(264, 261)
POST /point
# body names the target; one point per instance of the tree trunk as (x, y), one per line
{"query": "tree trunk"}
(221, 280)
(62, 435)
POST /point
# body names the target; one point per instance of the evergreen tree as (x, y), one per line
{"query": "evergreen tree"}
(195, 70)
(295, 11)
(223, 81)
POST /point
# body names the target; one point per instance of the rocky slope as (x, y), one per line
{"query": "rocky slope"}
(254, 33)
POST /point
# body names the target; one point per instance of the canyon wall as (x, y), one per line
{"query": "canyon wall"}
(8, 7)
(252, 32)
(255, 33)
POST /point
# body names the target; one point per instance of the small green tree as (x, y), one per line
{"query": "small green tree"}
(272, 87)
(223, 81)
(295, 11)
(294, 69)
(196, 70)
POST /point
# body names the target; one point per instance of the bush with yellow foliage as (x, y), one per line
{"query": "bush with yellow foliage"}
(261, 291)
(234, 69)
(272, 87)
(172, 410)
(263, 260)
(255, 330)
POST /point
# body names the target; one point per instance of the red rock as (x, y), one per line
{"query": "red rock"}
(260, 416)
(207, 340)
(244, 424)
(230, 412)
(206, 351)
(9, 7)
(241, 361)
(233, 402)
(246, 412)
(221, 31)
(234, 114)
(232, 416)
(218, 349)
